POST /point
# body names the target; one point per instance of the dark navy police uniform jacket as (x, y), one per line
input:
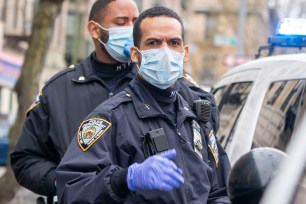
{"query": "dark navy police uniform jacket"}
(65, 101)
(110, 139)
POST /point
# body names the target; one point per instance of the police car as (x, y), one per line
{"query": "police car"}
(266, 175)
(288, 186)
(261, 101)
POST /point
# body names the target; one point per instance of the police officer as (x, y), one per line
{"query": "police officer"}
(144, 145)
(70, 95)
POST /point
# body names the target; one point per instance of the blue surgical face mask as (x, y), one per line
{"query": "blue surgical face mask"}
(118, 37)
(161, 67)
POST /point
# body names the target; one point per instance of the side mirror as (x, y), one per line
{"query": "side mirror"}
(251, 174)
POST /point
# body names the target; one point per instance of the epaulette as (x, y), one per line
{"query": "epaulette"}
(36, 102)
(190, 79)
(110, 104)
(59, 74)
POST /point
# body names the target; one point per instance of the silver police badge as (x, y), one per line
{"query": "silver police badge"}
(90, 131)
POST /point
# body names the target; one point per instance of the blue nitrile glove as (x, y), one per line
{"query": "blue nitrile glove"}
(127, 46)
(155, 173)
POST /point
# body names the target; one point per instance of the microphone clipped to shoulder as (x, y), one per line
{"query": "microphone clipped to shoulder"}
(202, 108)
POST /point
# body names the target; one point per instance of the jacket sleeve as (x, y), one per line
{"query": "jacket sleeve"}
(83, 176)
(33, 160)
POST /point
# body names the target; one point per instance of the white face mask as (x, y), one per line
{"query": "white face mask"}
(118, 37)
(161, 67)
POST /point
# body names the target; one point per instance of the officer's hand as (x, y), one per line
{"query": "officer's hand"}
(127, 46)
(155, 173)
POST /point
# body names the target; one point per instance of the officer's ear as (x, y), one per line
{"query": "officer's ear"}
(93, 30)
(186, 51)
(135, 55)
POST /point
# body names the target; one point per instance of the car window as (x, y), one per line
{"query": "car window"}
(230, 106)
(218, 93)
(282, 106)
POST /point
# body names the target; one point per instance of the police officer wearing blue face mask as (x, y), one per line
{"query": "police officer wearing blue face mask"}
(144, 145)
(72, 94)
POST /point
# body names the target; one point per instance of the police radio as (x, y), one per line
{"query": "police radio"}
(202, 108)
(154, 142)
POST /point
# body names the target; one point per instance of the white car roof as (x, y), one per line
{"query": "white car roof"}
(300, 58)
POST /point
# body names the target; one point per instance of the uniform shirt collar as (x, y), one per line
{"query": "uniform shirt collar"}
(107, 71)
(146, 104)
(85, 72)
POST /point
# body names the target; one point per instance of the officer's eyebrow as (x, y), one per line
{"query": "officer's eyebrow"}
(124, 18)
(176, 38)
(121, 17)
(152, 38)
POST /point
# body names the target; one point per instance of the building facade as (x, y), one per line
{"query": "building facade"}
(211, 31)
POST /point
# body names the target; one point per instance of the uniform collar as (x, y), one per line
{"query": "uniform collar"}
(146, 105)
(85, 73)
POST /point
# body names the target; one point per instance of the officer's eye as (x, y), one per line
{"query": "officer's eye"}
(152, 43)
(121, 21)
(175, 42)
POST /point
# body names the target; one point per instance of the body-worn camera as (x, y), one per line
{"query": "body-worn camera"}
(154, 142)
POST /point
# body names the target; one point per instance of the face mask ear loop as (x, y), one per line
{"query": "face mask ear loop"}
(102, 29)
(141, 57)
(101, 42)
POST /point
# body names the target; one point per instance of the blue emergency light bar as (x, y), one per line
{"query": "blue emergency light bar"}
(291, 33)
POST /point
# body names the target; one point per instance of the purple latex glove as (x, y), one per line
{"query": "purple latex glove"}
(155, 173)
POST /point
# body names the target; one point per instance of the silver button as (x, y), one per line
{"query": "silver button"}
(81, 78)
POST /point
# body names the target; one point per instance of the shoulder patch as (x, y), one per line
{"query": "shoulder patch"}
(58, 75)
(190, 79)
(35, 103)
(90, 131)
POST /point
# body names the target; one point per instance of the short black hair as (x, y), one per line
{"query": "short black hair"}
(150, 13)
(98, 8)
